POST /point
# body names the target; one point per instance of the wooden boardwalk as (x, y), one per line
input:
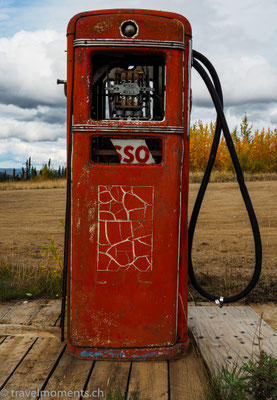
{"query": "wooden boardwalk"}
(231, 335)
(32, 358)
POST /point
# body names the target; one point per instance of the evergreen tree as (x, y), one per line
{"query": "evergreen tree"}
(246, 129)
(235, 135)
(33, 172)
(27, 170)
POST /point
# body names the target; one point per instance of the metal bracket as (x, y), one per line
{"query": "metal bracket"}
(219, 302)
(63, 82)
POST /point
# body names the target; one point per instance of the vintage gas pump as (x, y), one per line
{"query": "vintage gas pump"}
(126, 241)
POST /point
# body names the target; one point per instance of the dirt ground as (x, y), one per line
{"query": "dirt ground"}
(223, 240)
(28, 218)
(223, 237)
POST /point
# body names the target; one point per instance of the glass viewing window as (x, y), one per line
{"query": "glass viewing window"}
(128, 87)
(127, 150)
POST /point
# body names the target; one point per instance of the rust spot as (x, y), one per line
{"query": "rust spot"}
(102, 26)
(80, 58)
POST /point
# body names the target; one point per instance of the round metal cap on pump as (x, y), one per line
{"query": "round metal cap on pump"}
(129, 29)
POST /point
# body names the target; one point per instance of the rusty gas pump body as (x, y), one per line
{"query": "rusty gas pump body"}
(128, 107)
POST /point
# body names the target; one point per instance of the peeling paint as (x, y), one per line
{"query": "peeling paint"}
(91, 232)
(153, 354)
(115, 354)
(102, 353)
(125, 229)
(91, 213)
(157, 353)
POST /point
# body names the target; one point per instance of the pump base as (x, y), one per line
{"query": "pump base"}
(134, 354)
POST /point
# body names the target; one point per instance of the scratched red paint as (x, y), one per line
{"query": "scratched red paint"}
(125, 236)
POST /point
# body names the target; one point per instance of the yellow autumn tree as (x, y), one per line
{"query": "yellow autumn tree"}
(257, 152)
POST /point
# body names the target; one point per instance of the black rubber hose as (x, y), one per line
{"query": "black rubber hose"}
(212, 156)
(67, 225)
(66, 254)
(248, 204)
(214, 147)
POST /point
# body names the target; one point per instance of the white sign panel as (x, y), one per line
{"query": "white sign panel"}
(133, 151)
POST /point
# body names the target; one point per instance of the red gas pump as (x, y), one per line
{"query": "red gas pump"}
(126, 243)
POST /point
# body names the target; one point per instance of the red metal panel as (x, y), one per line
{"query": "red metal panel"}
(131, 14)
(124, 267)
(127, 281)
(151, 27)
(174, 95)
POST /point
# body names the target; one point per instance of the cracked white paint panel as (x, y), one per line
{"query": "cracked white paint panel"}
(125, 228)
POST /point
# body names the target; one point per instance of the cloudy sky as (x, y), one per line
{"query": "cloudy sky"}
(238, 36)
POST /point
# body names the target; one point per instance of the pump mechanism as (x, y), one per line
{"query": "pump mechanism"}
(128, 87)
(214, 88)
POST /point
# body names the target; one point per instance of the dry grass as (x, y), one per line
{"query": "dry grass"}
(195, 177)
(221, 176)
(33, 184)
(19, 282)
(28, 219)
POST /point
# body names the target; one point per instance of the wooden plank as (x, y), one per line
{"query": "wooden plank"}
(208, 333)
(188, 377)
(12, 351)
(111, 377)
(29, 330)
(36, 366)
(231, 335)
(70, 375)
(23, 312)
(149, 380)
(2, 338)
(58, 320)
(5, 308)
(48, 313)
(245, 326)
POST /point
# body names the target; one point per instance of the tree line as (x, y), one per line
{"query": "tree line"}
(29, 172)
(256, 149)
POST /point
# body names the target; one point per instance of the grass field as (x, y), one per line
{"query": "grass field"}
(33, 184)
(223, 249)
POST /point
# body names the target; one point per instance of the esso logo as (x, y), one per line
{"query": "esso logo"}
(133, 151)
(130, 155)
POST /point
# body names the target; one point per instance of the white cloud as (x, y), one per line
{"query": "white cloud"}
(260, 116)
(32, 107)
(30, 63)
(249, 79)
(14, 153)
(31, 131)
